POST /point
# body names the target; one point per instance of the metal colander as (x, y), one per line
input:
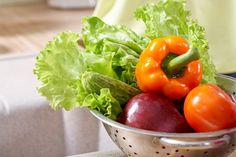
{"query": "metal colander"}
(143, 143)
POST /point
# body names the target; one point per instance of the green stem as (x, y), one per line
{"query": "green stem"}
(181, 61)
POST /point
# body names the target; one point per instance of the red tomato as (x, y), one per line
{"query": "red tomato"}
(209, 108)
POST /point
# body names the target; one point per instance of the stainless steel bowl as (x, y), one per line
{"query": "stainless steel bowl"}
(143, 143)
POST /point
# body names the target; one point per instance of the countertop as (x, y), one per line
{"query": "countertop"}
(27, 28)
(112, 153)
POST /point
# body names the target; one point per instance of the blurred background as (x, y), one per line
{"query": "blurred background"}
(26, 25)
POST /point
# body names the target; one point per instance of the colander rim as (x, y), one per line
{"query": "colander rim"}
(118, 125)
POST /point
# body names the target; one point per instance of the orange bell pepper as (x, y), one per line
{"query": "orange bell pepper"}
(169, 67)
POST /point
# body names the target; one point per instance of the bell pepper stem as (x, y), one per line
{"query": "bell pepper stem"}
(182, 60)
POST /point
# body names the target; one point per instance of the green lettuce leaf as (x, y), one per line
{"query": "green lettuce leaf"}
(101, 38)
(95, 31)
(169, 17)
(60, 66)
(105, 103)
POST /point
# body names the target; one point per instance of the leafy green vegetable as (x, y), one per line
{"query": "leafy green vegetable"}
(169, 17)
(96, 34)
(105, 103)
(126, 45)
(60, 66)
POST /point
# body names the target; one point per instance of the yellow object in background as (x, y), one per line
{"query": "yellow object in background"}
(121, 12)
(216, 16)
(219, 19)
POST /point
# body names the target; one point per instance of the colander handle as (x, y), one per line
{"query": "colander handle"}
(207, 144)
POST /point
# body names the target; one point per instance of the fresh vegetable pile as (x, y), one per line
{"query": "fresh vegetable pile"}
(162, 81)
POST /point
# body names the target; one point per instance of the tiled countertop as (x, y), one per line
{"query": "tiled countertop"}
(27, 28)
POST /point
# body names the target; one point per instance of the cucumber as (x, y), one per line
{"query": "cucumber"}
(121, 91)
